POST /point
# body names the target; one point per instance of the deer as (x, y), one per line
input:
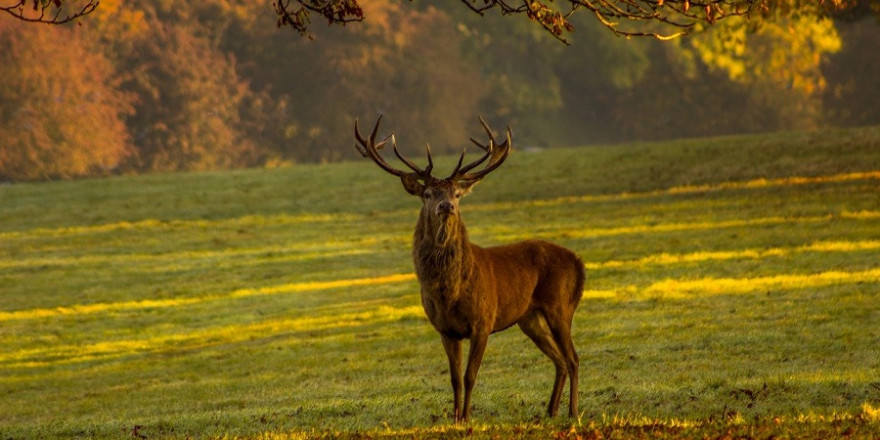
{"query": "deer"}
(470, 292)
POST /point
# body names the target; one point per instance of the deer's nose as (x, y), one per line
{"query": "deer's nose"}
(445, 208)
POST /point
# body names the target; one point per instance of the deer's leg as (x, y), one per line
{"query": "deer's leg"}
(475, 358)
(535, 326)
(561, 329)
(573, 371)
(453, 353)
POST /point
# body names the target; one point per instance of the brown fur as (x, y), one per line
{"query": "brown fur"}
(469, 292)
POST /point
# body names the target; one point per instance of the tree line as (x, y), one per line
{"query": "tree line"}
(168, 86)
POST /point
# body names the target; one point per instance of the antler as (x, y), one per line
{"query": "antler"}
(369, 148)
(494, 152)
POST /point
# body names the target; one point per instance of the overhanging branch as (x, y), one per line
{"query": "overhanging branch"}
(662, 19)
(49, 11)
(297, 13)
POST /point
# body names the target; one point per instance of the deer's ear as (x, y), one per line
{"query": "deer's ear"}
(412, 185)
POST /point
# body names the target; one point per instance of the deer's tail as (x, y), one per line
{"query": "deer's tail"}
(580, 280)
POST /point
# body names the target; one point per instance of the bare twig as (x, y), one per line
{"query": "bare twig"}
(299, 16)
(48, 12)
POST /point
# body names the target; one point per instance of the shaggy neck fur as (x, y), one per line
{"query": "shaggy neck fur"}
(442, 255)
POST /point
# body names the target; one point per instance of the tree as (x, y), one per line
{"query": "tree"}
(406, 62)
(61, 113)
(188, 111)
(852, 74)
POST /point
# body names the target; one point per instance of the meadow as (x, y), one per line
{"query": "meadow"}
(732, 292)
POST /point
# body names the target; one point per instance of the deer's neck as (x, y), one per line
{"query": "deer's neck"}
(443, 257)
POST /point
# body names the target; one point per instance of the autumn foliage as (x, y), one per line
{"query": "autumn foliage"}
(187, 115)
(62, 107)
(170, 86)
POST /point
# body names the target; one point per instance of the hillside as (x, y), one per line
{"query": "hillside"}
(732, 288)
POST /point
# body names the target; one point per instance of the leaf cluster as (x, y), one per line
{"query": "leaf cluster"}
(62, 106)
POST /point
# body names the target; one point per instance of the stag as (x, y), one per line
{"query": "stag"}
(469, 292)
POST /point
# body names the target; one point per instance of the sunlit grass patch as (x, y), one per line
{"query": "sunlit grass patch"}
(684, 190)
(679, 289)
(502, 234)
(187, 259)
(207, 336)
(179, 302)
(616, 426)
(719, 286)
(697, 257)
(161, 225)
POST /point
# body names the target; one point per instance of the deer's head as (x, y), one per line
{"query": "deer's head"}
(440, 197)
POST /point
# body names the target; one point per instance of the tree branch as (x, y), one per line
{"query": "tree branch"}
(48, 11)
(299, 16)
(661, 19)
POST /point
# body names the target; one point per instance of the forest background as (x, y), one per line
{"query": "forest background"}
(169, 86)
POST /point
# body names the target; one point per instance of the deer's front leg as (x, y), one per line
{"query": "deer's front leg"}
(453, 353)
(475, 358)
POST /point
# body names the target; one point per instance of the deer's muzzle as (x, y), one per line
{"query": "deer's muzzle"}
(445, 208)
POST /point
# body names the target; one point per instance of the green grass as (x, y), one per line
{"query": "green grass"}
(732, 291)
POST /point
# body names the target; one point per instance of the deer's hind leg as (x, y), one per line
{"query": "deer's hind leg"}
(561, 329)
(573, 367)
(534, 325)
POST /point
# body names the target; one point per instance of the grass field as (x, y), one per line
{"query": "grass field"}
(733, 292)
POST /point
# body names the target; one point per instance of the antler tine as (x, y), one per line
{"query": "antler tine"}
(360, 140)
(460, 171)
(363, 147)
(497, 153)
(430, 160)
(422, 173)
(460, 160)
(492, 141)
(369, 148)
(483, 147)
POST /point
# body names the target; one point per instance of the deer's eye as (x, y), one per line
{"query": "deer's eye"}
(457, 194)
